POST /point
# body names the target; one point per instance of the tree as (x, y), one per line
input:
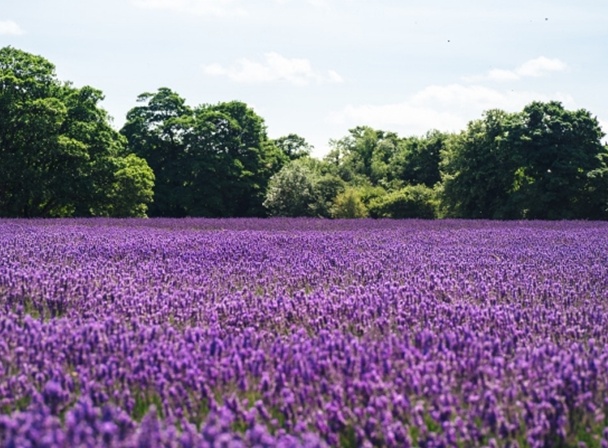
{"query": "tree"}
(303, 187)
(364, 153)
(384, 159)
(58, 153)
(326, 184)
(133, 187)
(348, 205)
(294, 146)
(155, 131)
(417, 159)
(291, 192)
(478, 168)
(253, 153)
(542, 163)
(598, 179)
(558, 150)
(412, 201)
(213, 160)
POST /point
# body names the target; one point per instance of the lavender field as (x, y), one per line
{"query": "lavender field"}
(195, 333)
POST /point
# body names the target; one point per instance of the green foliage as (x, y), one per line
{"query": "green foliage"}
(303, 187)
(542, 163)
(144, 401)
(417, 159)
(293, 146)
(214, 160)
(598, 184)
(479, 167)
(412, 201)
(133, 187)
(384, 159)
(348, 204)
(369, 193)
(326, 187)
(559, 149)
(291, 192)
(59, 155)
(363, 154)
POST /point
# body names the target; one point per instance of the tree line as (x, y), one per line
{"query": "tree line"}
(60, 156)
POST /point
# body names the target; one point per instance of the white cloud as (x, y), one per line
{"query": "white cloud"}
(274, 68)
(443, 107)
(334, 77)
(534, 68)
(8, 27)
(540, 67)
(198, 7)
(502, 75)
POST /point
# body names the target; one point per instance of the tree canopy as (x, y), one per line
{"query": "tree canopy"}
(59, 155)
(211, 160)
(303, 187)
(542, 163)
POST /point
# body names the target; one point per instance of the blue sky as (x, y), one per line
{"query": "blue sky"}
(320, 67)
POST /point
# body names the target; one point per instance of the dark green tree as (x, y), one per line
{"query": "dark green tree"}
(479, 167)
(293, 146)
(599, 186)
(417, 159)
(156, 131)
(558, 150)
(59, 155)
(214, 160)
(543, 163)
(254, 155)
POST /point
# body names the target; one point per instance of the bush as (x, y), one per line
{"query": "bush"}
(413, 201)
(348, 204)
(290, 192)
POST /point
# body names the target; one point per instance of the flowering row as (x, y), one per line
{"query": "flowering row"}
(303, 333)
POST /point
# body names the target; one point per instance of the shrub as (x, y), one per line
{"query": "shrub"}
(348, 204)
(413, 201)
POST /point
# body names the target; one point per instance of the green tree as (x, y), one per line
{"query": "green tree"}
(559, 150)
(348, 205)
(291, 192)
(156, 131)
(417, 159)
(384, 159)
(542, 163)
(364, 153)
(59, 156)
(293, 146)
(478, 168)
(412, 201)
(213, 160)
(598, 179)
(303, 187)
(133, 187)
(326, 183)
(256, 157)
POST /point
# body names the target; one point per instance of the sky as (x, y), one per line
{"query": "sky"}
(318, 68)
